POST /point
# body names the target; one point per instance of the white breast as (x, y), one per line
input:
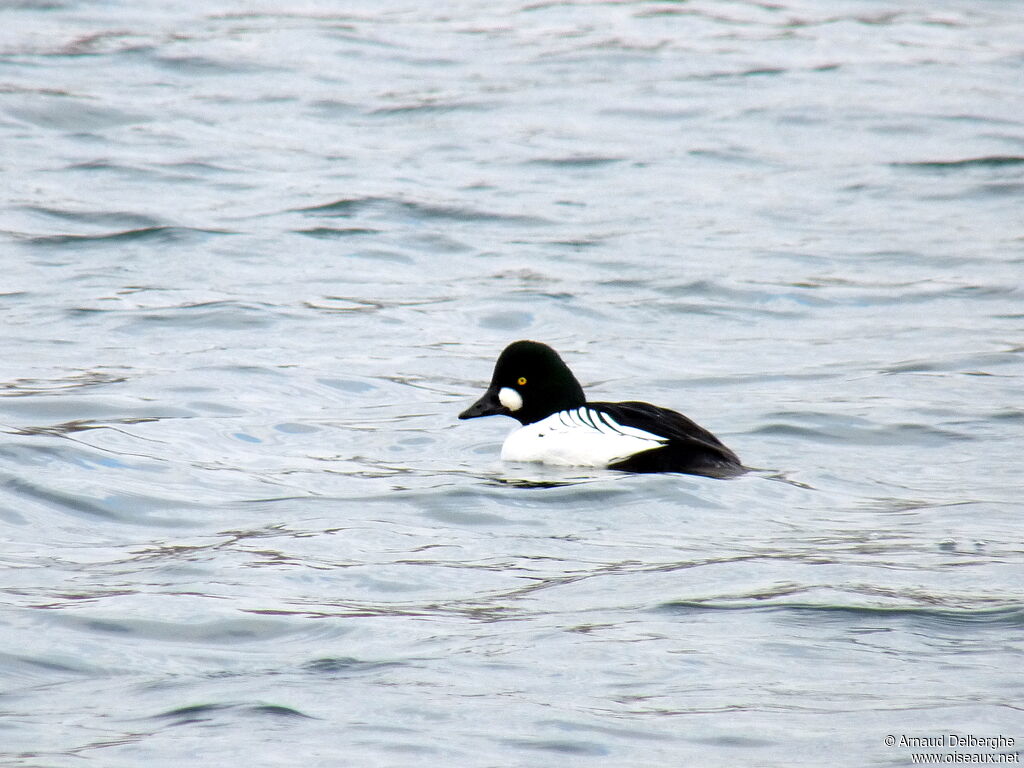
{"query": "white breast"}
(581, 437)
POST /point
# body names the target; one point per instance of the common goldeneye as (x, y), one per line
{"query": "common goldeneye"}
(533, 385)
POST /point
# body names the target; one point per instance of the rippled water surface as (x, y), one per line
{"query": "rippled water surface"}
(259, 255)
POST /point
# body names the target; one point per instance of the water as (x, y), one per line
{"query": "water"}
(259, 255)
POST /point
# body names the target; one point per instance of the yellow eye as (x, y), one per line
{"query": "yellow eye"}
(522, 381)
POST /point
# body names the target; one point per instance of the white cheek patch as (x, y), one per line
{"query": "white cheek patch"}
(510, 398)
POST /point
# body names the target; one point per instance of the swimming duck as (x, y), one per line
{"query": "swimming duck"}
(533, 385)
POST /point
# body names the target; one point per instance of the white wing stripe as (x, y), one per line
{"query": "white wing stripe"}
(611, 424)
(578, 437)
(635, 432)
(588, 416)
(580, 419)
(591, 419)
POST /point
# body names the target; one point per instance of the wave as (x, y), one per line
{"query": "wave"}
(351, 206)
(165, 233)
(990, 161)
(1010, 616)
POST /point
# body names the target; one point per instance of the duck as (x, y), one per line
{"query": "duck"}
(558, 426)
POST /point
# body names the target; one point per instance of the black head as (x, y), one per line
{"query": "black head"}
(530, 382)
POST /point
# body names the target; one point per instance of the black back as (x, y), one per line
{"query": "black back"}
(690, 447)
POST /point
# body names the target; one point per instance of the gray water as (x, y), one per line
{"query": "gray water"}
(259, 255)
